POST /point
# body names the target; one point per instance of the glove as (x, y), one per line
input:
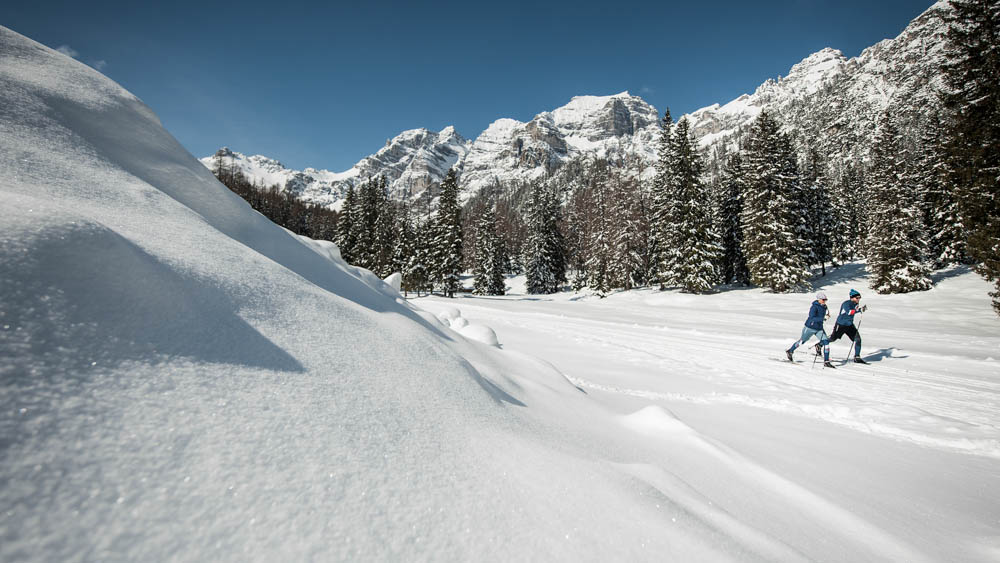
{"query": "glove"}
(827, 317)
(863, 308)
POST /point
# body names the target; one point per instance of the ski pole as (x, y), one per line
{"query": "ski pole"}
(857, 331)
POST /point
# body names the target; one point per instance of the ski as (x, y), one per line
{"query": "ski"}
(785, 361)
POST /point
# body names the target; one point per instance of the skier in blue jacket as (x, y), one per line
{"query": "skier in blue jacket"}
(845, 323)
(814, 327)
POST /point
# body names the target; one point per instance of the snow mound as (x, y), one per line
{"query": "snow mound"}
(452, 318)
(395, 281)
(655, 420)
(480, 333)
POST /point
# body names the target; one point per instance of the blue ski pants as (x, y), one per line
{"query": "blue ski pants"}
(819, 333)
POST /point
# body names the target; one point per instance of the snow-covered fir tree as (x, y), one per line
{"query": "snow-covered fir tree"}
(896, 240)
(446, 244)
(771, 217)
(384, 239)
(665, 249)
(972, 145)
(544, 249)
(346, 228)
(629, 212)
(733, 264)
(946, 234)
(818, 210)
(489, 256)
(694, 263)
(404, 239)
(418, 265)
(849, 221)
(599, 232)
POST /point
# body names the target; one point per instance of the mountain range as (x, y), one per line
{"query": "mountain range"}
(827, 102)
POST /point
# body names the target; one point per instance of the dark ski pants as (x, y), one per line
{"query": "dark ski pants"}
(851, 332)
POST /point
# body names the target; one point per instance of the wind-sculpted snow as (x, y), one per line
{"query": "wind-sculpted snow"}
(902, 455)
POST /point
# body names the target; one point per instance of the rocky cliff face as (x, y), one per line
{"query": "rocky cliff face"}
(587, 126)
(832, 103)
(411, 162)
(827, 101)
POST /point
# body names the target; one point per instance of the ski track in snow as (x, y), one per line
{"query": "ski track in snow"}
(930, 408)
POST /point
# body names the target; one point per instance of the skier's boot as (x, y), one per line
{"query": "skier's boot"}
(827, 364)
(819, 349)
(789, 354)
(858, 360)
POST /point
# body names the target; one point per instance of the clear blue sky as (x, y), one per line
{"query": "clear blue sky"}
(324, 84)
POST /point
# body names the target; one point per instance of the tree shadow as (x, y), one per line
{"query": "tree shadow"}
(947, 273)
(845, 273)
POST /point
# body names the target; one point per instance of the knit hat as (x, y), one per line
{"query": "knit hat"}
(854, 293)
(820, 296)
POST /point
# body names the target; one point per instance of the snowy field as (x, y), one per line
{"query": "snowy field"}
(182, 380)
(896, 460)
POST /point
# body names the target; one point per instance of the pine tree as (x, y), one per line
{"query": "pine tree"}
(818, 211)
(664, 210)
(771, 217)
(446, 253)
(896, 242)
(404, 240)
(849, 229)
(418, 267)
(946, 233)
(490, 256)
(694, 236)
(544, 247)
(346, 227)
(973, 140)
(599, 233)
(733, 263)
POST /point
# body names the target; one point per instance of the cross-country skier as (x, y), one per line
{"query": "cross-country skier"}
(814, 327)
(845, 323)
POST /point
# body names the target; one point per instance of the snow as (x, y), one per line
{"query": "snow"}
(580, 109)
(905, 452)
(183, 380)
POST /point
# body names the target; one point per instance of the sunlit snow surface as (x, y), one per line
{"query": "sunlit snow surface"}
(904, 452)
(182, 380)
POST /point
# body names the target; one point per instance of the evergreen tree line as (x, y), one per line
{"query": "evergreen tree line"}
(970, 167)
(280, 207)
(387, 236)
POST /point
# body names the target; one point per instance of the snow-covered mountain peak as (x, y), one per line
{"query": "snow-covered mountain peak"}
(819, 67)
(600, 117)
(832, 102)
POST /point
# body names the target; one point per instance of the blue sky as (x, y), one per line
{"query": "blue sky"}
(324, 84)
